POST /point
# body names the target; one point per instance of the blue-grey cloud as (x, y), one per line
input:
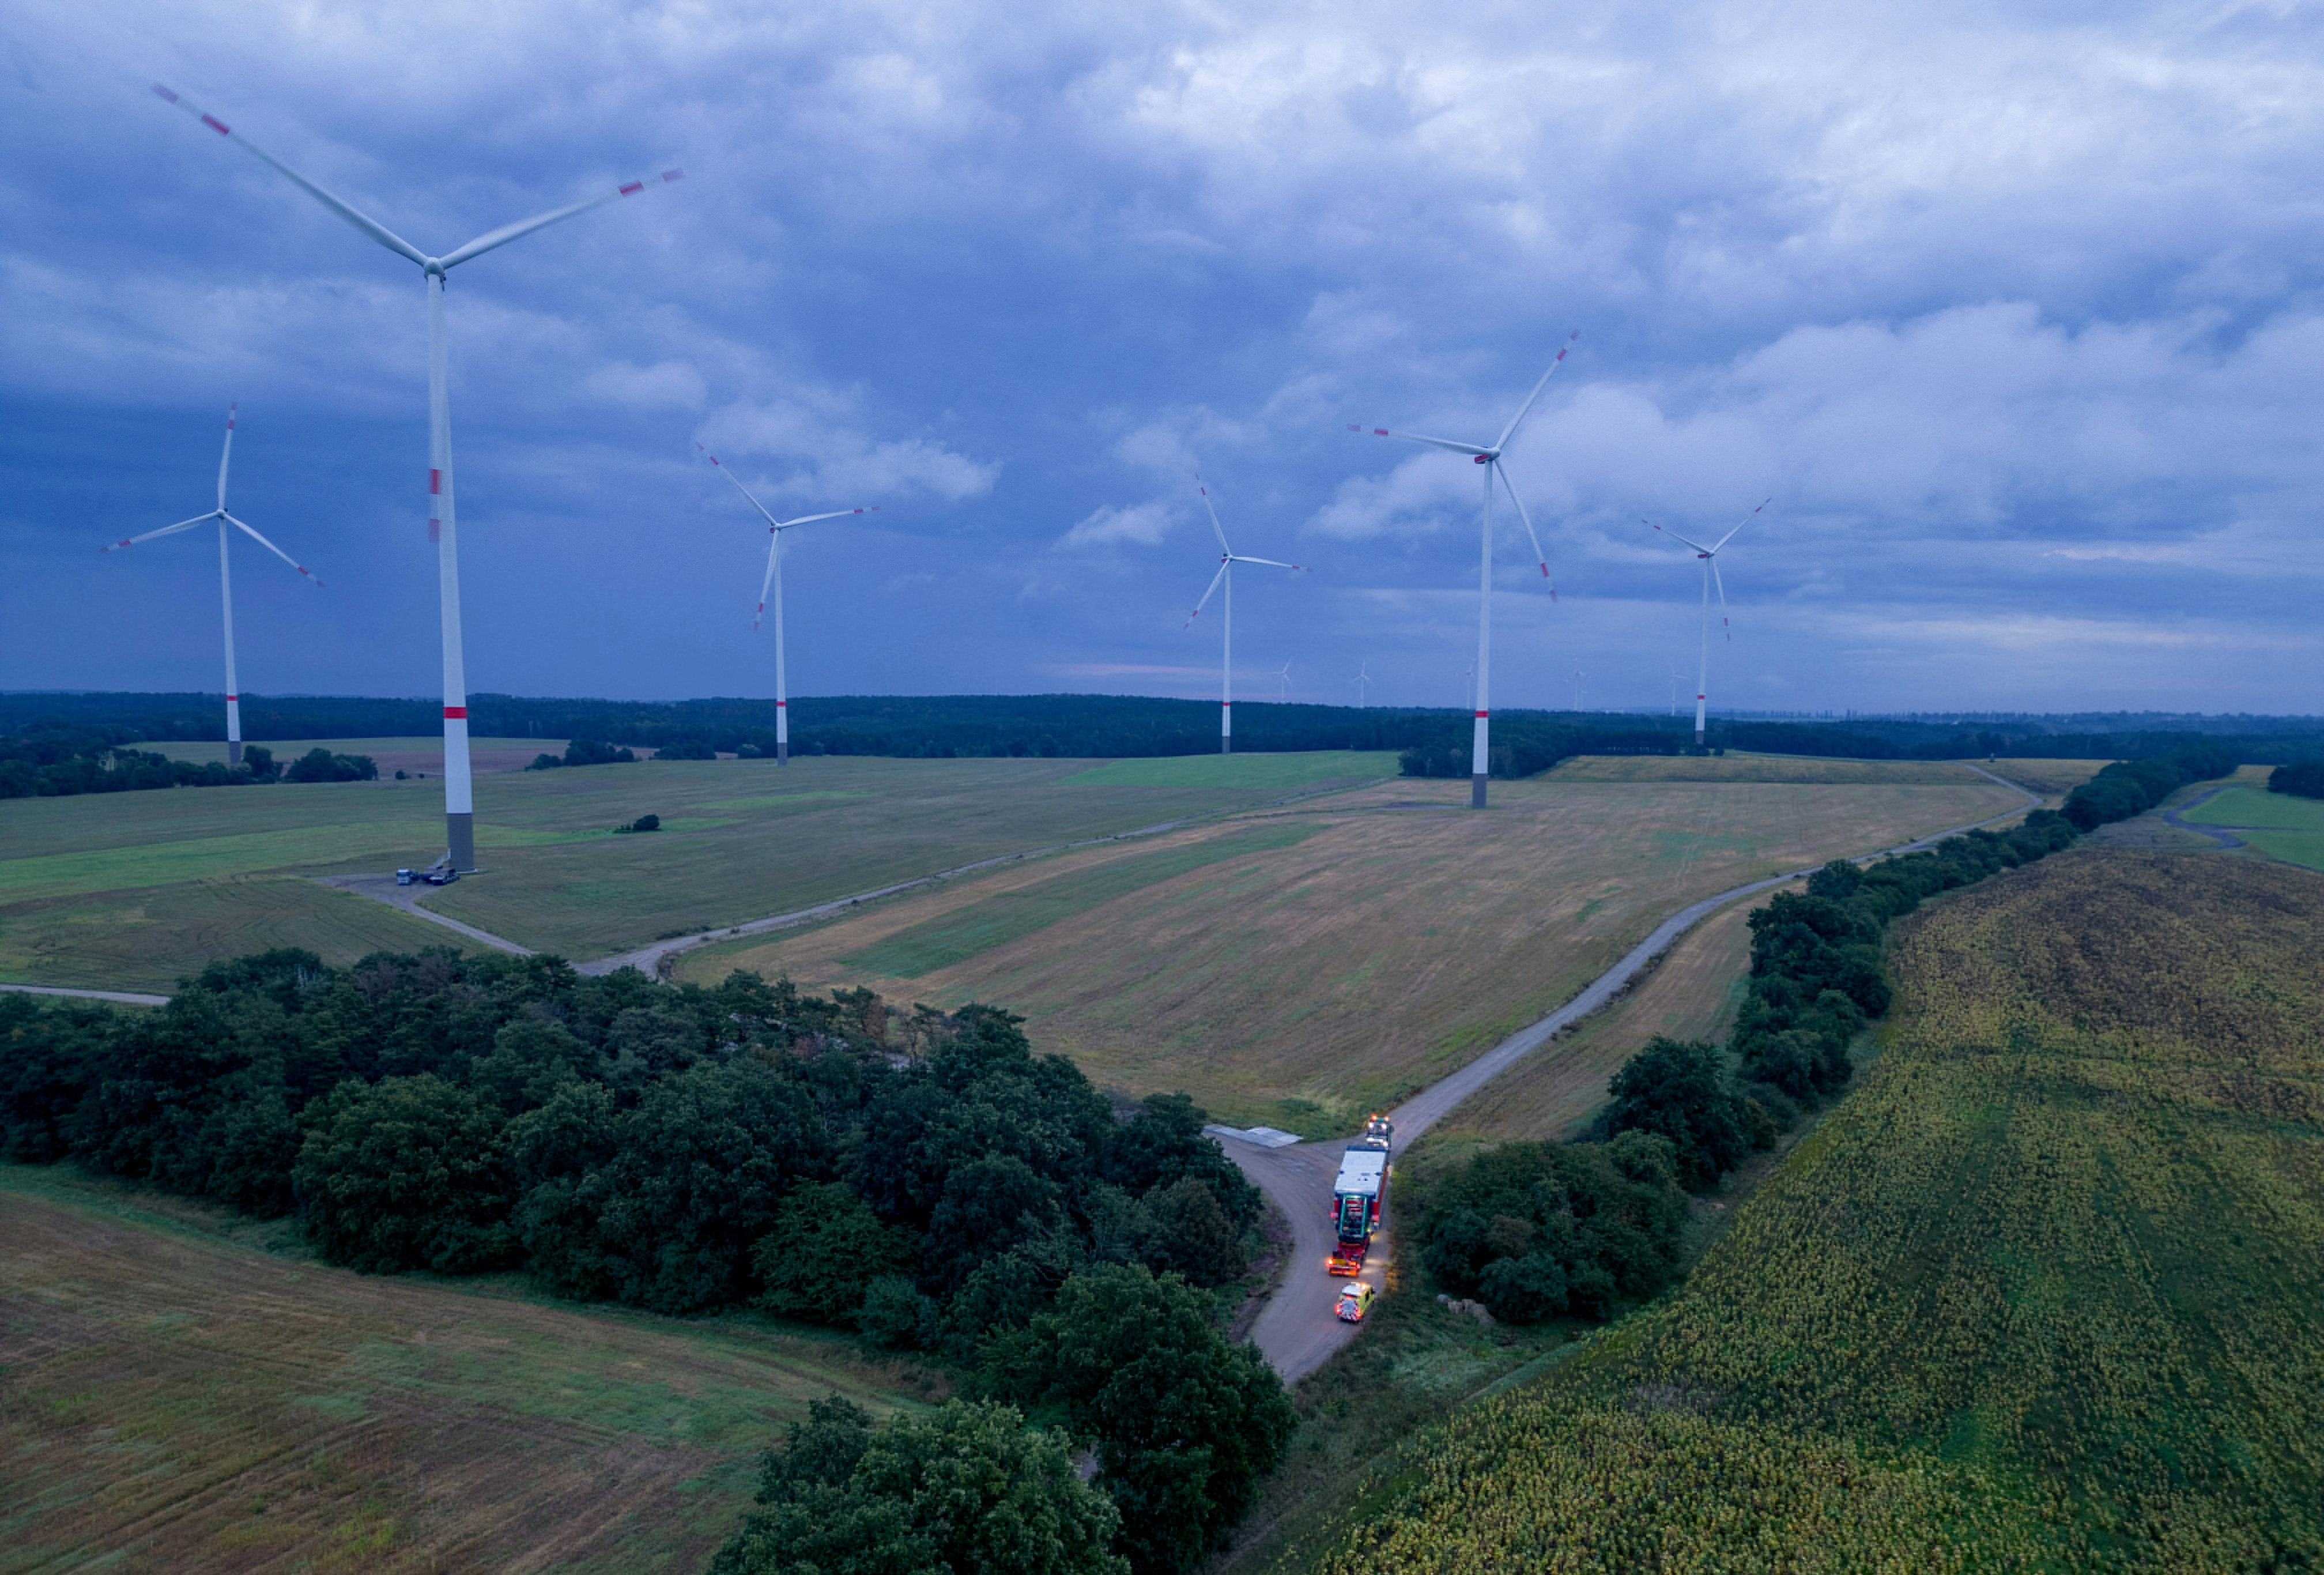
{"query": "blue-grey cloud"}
(2013, 312)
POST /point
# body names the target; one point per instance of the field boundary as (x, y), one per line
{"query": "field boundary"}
(123, 997)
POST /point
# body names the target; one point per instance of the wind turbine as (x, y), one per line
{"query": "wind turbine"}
(1479, 747)
(1578, 676)
(226, 581)
(1709, 556)
(460, 801)
(775, 529)
(1363, 681)
(1228, 558)
(1676, 679)
(1286, 676)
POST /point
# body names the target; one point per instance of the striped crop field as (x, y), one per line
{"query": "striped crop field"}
(2042, 1295)
(1298, 966)
(136, 890)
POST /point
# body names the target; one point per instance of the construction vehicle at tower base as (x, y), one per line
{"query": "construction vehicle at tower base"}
(1358, 1195)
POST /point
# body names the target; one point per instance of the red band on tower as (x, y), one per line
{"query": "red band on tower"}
(455, 713)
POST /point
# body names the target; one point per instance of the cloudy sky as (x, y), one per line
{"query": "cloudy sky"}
(2012, 310)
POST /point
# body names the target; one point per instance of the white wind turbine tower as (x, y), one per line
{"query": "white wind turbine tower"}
(1286, 676)
(774, 579)
(1709, 556)
(226, 581)
(1228, 558)
(460, 801)
(1363, 681)
(1480, 747)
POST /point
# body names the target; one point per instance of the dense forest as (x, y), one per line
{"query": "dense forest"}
(923, 1177)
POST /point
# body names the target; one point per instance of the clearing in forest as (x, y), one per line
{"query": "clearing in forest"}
(1300, 965)
(136, 890)
(177, 1401)
(2043, 1293)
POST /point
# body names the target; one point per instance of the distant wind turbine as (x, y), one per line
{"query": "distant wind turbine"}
(1228, 558)
(226, 581)
(1676, 679)
(1362, 681)
(1709, 556)
(1286, 676)
(459, 800)
(774, 578)
(1480, 747)
(1578, 676)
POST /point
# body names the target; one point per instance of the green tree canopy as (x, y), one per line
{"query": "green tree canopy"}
(406, 1173)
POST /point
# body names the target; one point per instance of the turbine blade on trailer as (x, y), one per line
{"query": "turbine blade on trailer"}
(525, 227)
(774, 546)
(1216, 529)
(270, 547)
(1270, 562)
(226, 454)
(1699, 547)
(344, 209)
(164, 530)
(835, 514)
(1722, 596)
(1746, 520)
(1223, 564)
(745, 491)
(1511, 431)
(1539, 556)
(1471, 448)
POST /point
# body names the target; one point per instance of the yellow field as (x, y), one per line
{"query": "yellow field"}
(175, 1401)
(1735, 767)
(1386, 938)
(2042, 1294)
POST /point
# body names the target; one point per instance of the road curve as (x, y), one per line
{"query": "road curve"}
(1296, 1331)
(123, 998)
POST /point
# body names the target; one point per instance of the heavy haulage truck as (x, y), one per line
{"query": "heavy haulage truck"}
(1357, 1193)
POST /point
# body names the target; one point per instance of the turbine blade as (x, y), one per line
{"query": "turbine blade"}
(835, 514)
(1746, 520)
(347, 211)
(745, 491)
(164, 530)
(270, 547)
(1674, 536)
(1539, 556)
(1723, 598)
(1216, 529)
(774, 546)
(1199, 606)
(1270, 562)
(1435, 442)
(1511, 431)
(525, 227)
(226, 454)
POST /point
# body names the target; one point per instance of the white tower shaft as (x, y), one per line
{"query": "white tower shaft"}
(1481, 745)
(782, 681)
(443, 529)
(225, 619)
(1702, 669)
(1226, 663)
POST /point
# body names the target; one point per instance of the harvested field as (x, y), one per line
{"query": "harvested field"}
(2042, 1294)
(176, 1401)
(740, 840)
(1735, 768)
(2052, 779)
(1692, 994)
(1395, 939)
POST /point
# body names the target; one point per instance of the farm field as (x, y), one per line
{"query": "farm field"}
(1553, 1093)
(2042, 1294)
(1735, 768)
(1300, 965)
(175, 1400)
(390, 755)
(95, 890)
(2281, 825)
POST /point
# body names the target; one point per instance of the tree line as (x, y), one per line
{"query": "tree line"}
(1539, 1229)
(58, 765)
(922, 1177)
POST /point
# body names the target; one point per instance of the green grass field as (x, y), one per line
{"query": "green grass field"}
(1363, 949)
(2281, 825)
(134, 891)
(2042, 1294)
(175, 1399)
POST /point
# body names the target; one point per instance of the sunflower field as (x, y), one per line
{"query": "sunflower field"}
(2044, 1292)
